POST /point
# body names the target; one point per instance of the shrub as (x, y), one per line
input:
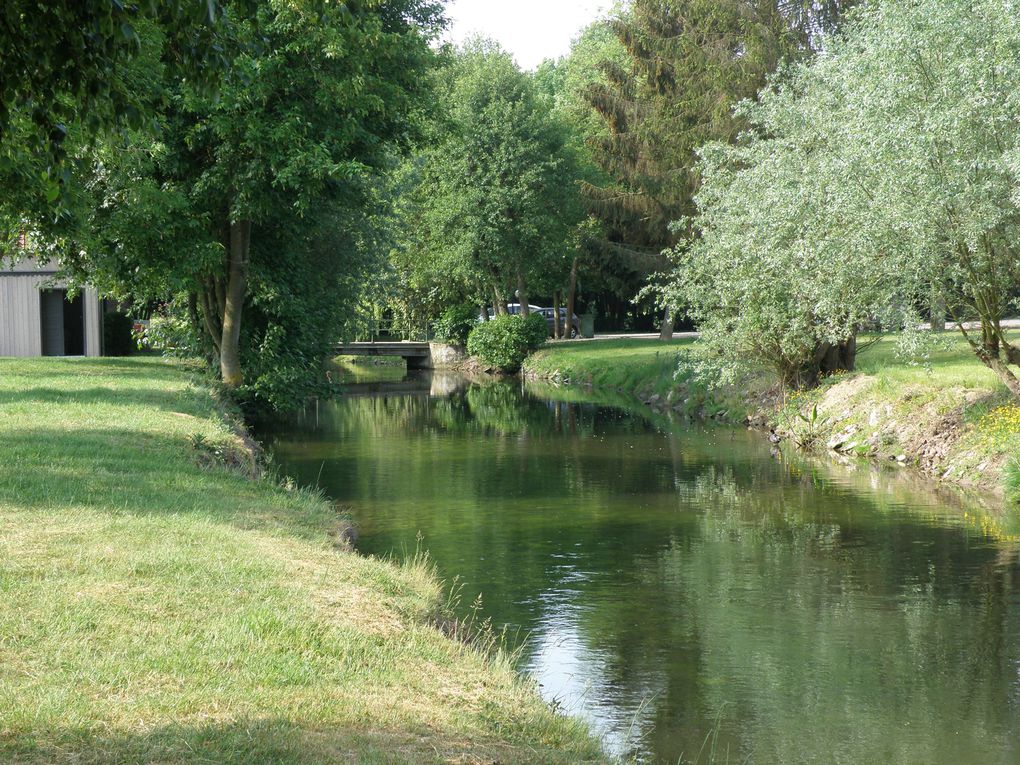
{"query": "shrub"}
(506, 341)
(455, 324)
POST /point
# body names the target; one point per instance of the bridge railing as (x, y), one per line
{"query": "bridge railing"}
(388, 331)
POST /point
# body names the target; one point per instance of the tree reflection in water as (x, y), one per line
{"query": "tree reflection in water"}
(681, 583)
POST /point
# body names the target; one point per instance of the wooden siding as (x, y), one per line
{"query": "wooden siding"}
(21, 317)
(20, 326)
(93, 322)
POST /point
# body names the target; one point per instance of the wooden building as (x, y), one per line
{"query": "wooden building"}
(39, 318)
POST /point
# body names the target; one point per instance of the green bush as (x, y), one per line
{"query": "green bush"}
(506, 341)
(455, 324)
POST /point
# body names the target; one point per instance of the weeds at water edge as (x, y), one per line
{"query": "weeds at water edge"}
(1012, 480)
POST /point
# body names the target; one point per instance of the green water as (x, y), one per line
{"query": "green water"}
(695, 597)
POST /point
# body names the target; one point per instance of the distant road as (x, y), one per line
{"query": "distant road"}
(635, 336)
(1006, 324)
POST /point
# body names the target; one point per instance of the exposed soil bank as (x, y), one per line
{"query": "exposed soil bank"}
(932, 430)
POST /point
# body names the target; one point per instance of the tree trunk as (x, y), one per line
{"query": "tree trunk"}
(557, 324)
(571, 295)
(485, 312)
(990, 337)
(839, 357)
(499, 308)
(938, 311)
(666, 327)
(211, 317)
(233, 303)
(1004, 373)
(828, 358)
(522, 295)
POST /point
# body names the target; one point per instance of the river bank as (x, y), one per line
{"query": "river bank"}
(948, 418)
(161, 604)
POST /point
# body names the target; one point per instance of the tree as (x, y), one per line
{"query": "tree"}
(491, 201)
(63, 63)
(873, 175)
(564, 83)
(315, 98)
(690, 62)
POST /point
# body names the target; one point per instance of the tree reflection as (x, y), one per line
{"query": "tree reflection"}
(680, 583)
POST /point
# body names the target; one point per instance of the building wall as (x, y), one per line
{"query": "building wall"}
(20, 306)
(93, 322)
(20, 321)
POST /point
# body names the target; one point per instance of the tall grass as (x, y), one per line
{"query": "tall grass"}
(1012, 480)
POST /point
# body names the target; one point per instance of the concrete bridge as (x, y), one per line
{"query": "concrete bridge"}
(417, 355)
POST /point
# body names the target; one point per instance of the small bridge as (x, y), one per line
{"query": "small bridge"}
(417, 355)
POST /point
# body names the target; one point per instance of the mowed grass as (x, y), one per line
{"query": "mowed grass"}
(158, 607)
(632, 366)
(951, 363)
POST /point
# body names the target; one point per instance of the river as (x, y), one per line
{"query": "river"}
(694, 594)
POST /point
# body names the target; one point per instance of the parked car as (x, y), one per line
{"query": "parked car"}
(575, 323)
(515, 309)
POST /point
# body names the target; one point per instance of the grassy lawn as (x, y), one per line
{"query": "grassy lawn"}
(160, 607)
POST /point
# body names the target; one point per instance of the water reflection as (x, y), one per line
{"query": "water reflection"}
(683, 585)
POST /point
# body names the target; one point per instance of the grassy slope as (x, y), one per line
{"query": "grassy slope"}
(641, 368)
(156, 610)
(951, 414)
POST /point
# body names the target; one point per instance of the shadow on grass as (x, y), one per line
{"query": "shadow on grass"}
(260, 742)
(120, 396)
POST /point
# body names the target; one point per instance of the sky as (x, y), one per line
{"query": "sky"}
(532, 30)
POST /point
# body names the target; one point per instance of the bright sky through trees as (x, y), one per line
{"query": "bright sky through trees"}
(532, 30)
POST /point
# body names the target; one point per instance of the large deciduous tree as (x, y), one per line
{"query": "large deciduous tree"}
(315, 97)
(63, 63)
(875, 175)
(491, 202)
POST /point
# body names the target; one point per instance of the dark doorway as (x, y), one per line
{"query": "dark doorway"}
(63, 324)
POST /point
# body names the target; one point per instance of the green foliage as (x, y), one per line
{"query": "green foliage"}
(505, 341)
(172, 333)
(66, 69)
(455, 324)
(872, 178)
(258, 206)
(689, 62)
(490, 203)
(1012, 480)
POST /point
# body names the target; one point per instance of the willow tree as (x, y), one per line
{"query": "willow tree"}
(872, 175)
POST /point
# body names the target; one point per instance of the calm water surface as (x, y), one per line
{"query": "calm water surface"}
(683, 589)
